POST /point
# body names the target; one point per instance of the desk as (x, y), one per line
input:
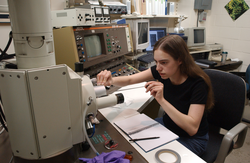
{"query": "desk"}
(227, 66)
(208, 52)
(130, 108)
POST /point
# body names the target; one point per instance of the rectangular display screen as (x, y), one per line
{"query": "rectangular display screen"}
(199, 36)
(154, 35)
(142, 32)
(93, 46)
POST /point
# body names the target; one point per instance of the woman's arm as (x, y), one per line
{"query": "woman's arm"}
(190, 122)
(105, 78)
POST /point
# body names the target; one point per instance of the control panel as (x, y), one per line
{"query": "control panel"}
(120, 70)
(106, 139)
(110, 41)
(117, 66)
(91, 45)
(117, 9)
(73, 17)
(102, 14)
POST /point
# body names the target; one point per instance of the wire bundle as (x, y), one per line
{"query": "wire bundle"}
(2, 118)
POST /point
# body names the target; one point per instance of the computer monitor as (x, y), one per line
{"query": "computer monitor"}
(155, 33)
(196, 36)
(140, 33)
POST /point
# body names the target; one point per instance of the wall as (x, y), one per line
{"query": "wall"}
(234, 35)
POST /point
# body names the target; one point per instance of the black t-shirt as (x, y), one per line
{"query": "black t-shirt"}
(192, 91)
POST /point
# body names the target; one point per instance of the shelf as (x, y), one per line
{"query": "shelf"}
(151, 16)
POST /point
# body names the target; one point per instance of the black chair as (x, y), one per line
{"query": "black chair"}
(229, 94)
(246, 77)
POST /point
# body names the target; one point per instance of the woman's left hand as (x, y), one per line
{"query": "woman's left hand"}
(156, 89)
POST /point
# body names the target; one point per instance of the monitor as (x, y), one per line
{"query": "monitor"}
(155, 33)
(196, 36)
(140, 33)
(93, 46)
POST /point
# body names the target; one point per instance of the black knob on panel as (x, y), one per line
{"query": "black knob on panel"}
(78, 67)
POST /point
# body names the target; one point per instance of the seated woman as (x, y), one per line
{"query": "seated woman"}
(180, 86)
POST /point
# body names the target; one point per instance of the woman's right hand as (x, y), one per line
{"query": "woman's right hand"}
(104, 78)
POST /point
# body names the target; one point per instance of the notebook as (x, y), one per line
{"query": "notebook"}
(142, 126)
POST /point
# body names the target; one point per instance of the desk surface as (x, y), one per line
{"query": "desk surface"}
(135, 101)
(227, 66)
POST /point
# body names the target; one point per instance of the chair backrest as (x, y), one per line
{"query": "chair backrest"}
(248, 74)
(229, 95)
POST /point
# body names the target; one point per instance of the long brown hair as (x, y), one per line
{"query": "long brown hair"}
(176, 47)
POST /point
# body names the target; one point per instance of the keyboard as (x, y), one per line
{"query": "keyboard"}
(147, 58)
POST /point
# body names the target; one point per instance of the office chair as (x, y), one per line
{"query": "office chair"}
(246, 77)
(229, 94)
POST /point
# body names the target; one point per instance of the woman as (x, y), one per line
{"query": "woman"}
(182, 89)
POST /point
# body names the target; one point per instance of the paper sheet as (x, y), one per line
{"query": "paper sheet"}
(141, 123)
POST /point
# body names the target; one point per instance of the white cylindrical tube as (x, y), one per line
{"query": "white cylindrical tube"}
(109, 100)
(32, 33)
(100, 91)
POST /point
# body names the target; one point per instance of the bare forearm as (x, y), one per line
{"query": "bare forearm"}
(121, 81)
(132, 79)
(186, 122)
(105, 78)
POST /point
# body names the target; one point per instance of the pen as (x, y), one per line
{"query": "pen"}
(144, 138)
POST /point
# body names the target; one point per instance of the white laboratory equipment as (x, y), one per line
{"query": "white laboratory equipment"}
(45, 104)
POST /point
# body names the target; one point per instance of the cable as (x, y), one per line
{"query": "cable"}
(2, 116)
(3, 123)
(9, 65)
(93, 131)
(197, 18)
(2, 129)
(8, 44)
(11, 159)
(199, 11)
(1, 110)
(7, 47)
(86, 134)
